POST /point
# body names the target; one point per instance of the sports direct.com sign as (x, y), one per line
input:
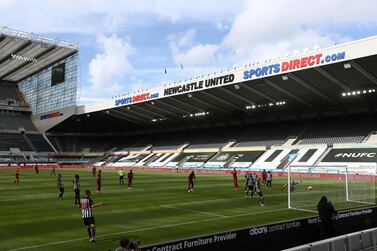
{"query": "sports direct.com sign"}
(294, 64)
(265, 70)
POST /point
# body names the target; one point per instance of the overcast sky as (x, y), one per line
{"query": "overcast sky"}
(126, 45)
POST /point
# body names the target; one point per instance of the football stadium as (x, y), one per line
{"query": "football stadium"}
(239, 159)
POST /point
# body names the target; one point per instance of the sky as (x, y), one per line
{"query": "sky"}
(126, 45)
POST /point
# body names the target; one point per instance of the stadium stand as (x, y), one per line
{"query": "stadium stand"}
(39, 143)
(14, 140)
(93, 143)
(9, 91)
(270, 134)
(14, 121)
(326, 131)
(342, 130)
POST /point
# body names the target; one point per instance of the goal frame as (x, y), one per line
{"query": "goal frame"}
(338, 169)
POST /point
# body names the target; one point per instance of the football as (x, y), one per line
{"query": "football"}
(310, 187)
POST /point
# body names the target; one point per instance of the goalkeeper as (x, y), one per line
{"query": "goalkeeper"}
(292, 186)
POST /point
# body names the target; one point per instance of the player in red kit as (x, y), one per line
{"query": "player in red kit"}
(99, 181)
(235, 180)
(264, 176)
(94, 171)
(36, 169)
(191, 179)
(17, 177)
(130, 177)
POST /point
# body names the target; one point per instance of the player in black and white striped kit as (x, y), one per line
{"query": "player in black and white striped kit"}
(60, 185)
(87, 206)
(258, 190)
(269, 179)
(76, 189)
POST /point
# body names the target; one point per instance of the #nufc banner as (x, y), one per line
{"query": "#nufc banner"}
(352, 155)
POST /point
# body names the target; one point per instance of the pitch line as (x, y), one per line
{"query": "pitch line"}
(193, 211)
(146, 229)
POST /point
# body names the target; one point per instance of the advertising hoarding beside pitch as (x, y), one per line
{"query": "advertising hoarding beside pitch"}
(275, 236)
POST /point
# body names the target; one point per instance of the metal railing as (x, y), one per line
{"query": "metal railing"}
(362, 240)
(37, 38)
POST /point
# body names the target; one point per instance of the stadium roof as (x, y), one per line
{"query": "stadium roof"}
(341, 79)
(23, 54)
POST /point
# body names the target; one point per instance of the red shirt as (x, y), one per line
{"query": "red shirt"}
(99, 179)
(191, 177)
(130, 176)
(17, 175)
(234, 173)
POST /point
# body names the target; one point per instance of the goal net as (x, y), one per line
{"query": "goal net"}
(345, 187)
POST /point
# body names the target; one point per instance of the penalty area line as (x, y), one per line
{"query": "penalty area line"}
(193, 211)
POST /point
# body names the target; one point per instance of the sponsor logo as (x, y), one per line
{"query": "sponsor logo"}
(51, 115)
(355, 155)
(136, 98)
(258, 231)
(294, 64)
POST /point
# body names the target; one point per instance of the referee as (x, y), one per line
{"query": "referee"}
(87, 214)
(121, 176)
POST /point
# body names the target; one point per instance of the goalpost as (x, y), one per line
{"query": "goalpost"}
(345, 187)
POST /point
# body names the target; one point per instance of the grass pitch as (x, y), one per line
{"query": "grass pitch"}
(158, 208)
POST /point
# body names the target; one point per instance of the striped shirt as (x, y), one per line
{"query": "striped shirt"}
(86, 207)
(76, 184)
(250, 180)
(60, 184)
(257, 187)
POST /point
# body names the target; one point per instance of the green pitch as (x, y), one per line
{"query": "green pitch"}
(157, 209)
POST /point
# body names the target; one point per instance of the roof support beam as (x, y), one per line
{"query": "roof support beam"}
(130, 116)
(196, 108)
(312, 88)
(19, 49)
(27, 63)
(247, 101)
(288, 93)
(152, 113)
(172, 107)
(270, 99)
(333, 79)
(252, 89)
(213, 107)
(110, 113)
(364, 72)
(135, 112)
(170, 115)
(2, 38)
(221, 100)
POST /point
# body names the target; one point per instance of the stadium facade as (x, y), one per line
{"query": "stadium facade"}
(297, 111)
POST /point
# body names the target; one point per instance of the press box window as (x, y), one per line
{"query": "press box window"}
(58, 74)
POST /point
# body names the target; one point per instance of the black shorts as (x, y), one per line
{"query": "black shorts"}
(89, 221)
(260, 194)
(250, 187)
(61, 190)
(121, 177)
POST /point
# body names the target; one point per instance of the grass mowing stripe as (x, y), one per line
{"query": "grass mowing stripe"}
(149, 228)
